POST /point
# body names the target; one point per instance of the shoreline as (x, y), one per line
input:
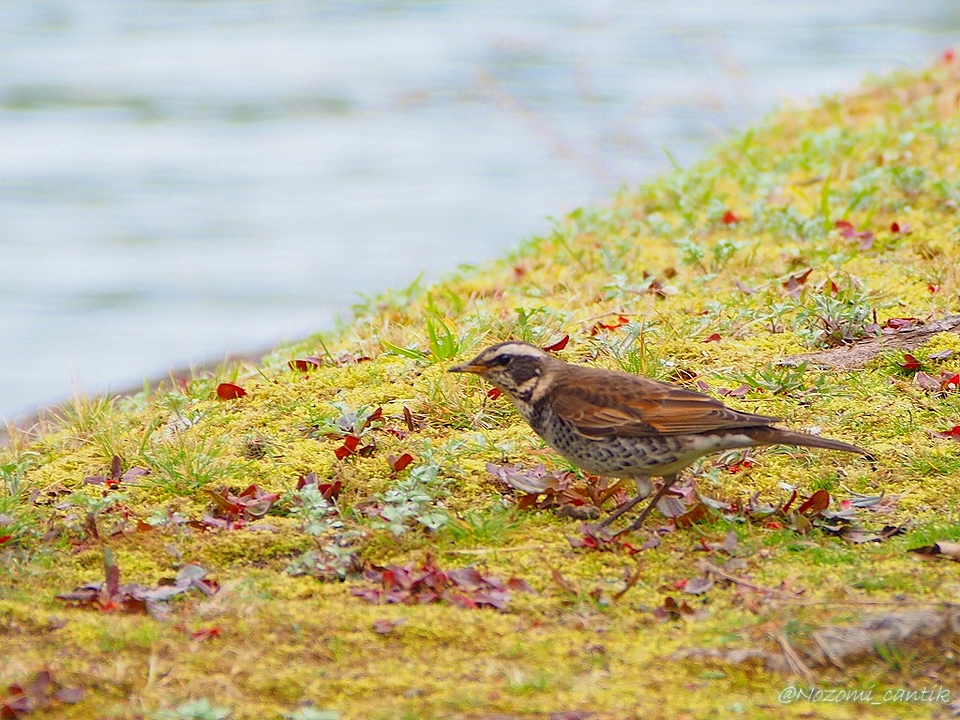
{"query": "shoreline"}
(28, 423)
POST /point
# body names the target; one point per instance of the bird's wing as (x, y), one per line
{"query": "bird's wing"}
(602, 403)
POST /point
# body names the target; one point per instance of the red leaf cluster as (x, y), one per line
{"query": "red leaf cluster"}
(351, 438)
(40, 693)
(943, 383)
(112, 596)
(117, 475)
(542, 490)
(329, 491)
(253, 502)
(428, 583)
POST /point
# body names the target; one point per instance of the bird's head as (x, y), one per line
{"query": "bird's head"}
(517, 368)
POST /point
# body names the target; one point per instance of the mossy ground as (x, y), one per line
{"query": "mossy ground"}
(704, 252)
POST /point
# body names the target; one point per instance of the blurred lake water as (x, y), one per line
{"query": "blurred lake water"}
(179, 180)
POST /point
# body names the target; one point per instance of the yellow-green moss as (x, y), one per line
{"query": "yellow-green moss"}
(670, 259)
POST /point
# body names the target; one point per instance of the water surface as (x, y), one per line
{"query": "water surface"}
(183, 180)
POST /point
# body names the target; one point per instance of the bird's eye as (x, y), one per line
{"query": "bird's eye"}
(502, 360)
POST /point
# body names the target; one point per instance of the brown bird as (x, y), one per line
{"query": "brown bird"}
(621, 425)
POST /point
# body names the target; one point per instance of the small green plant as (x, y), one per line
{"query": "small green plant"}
(411, 502)
(308, 712)
(93, 508)
(488, 527)
(710, 258)
(316, 514)
(837, 313)
(782, 379)
(631, 351)
(201, 709)
(444, 341)
(13, 471)
(184, 464)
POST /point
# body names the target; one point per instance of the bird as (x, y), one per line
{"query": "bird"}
(617, 424)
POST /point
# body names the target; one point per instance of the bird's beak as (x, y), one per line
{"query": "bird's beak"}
(468, 367)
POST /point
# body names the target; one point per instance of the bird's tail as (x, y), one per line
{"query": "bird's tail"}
(766, 435)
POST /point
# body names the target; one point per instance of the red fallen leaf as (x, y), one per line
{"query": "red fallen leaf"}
(205, 634)
(671, 610)
(715, 337)
(427, 583)
(740, 465)
(400, 463)
(902, 324)
(519, 585)
(698, 585)
(847, 231)
(558, 345)
(729, 218)
(697, 513)
(494, 393)
(618, 323)
(738, 392)
(5, 538)
(305, 364)
(910, 363)
(794, 284)
(831, 287)
(382, 626)
(895, 227)
(117, 475)
(815, 504)
(229, 391)
(252, 502)
(562, 582)
(933, 287)
(330, 491)
(350, 443)
(946, 382)
(309, 479)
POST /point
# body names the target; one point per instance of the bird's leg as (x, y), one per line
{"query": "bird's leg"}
(667, 482)
(643, 490)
